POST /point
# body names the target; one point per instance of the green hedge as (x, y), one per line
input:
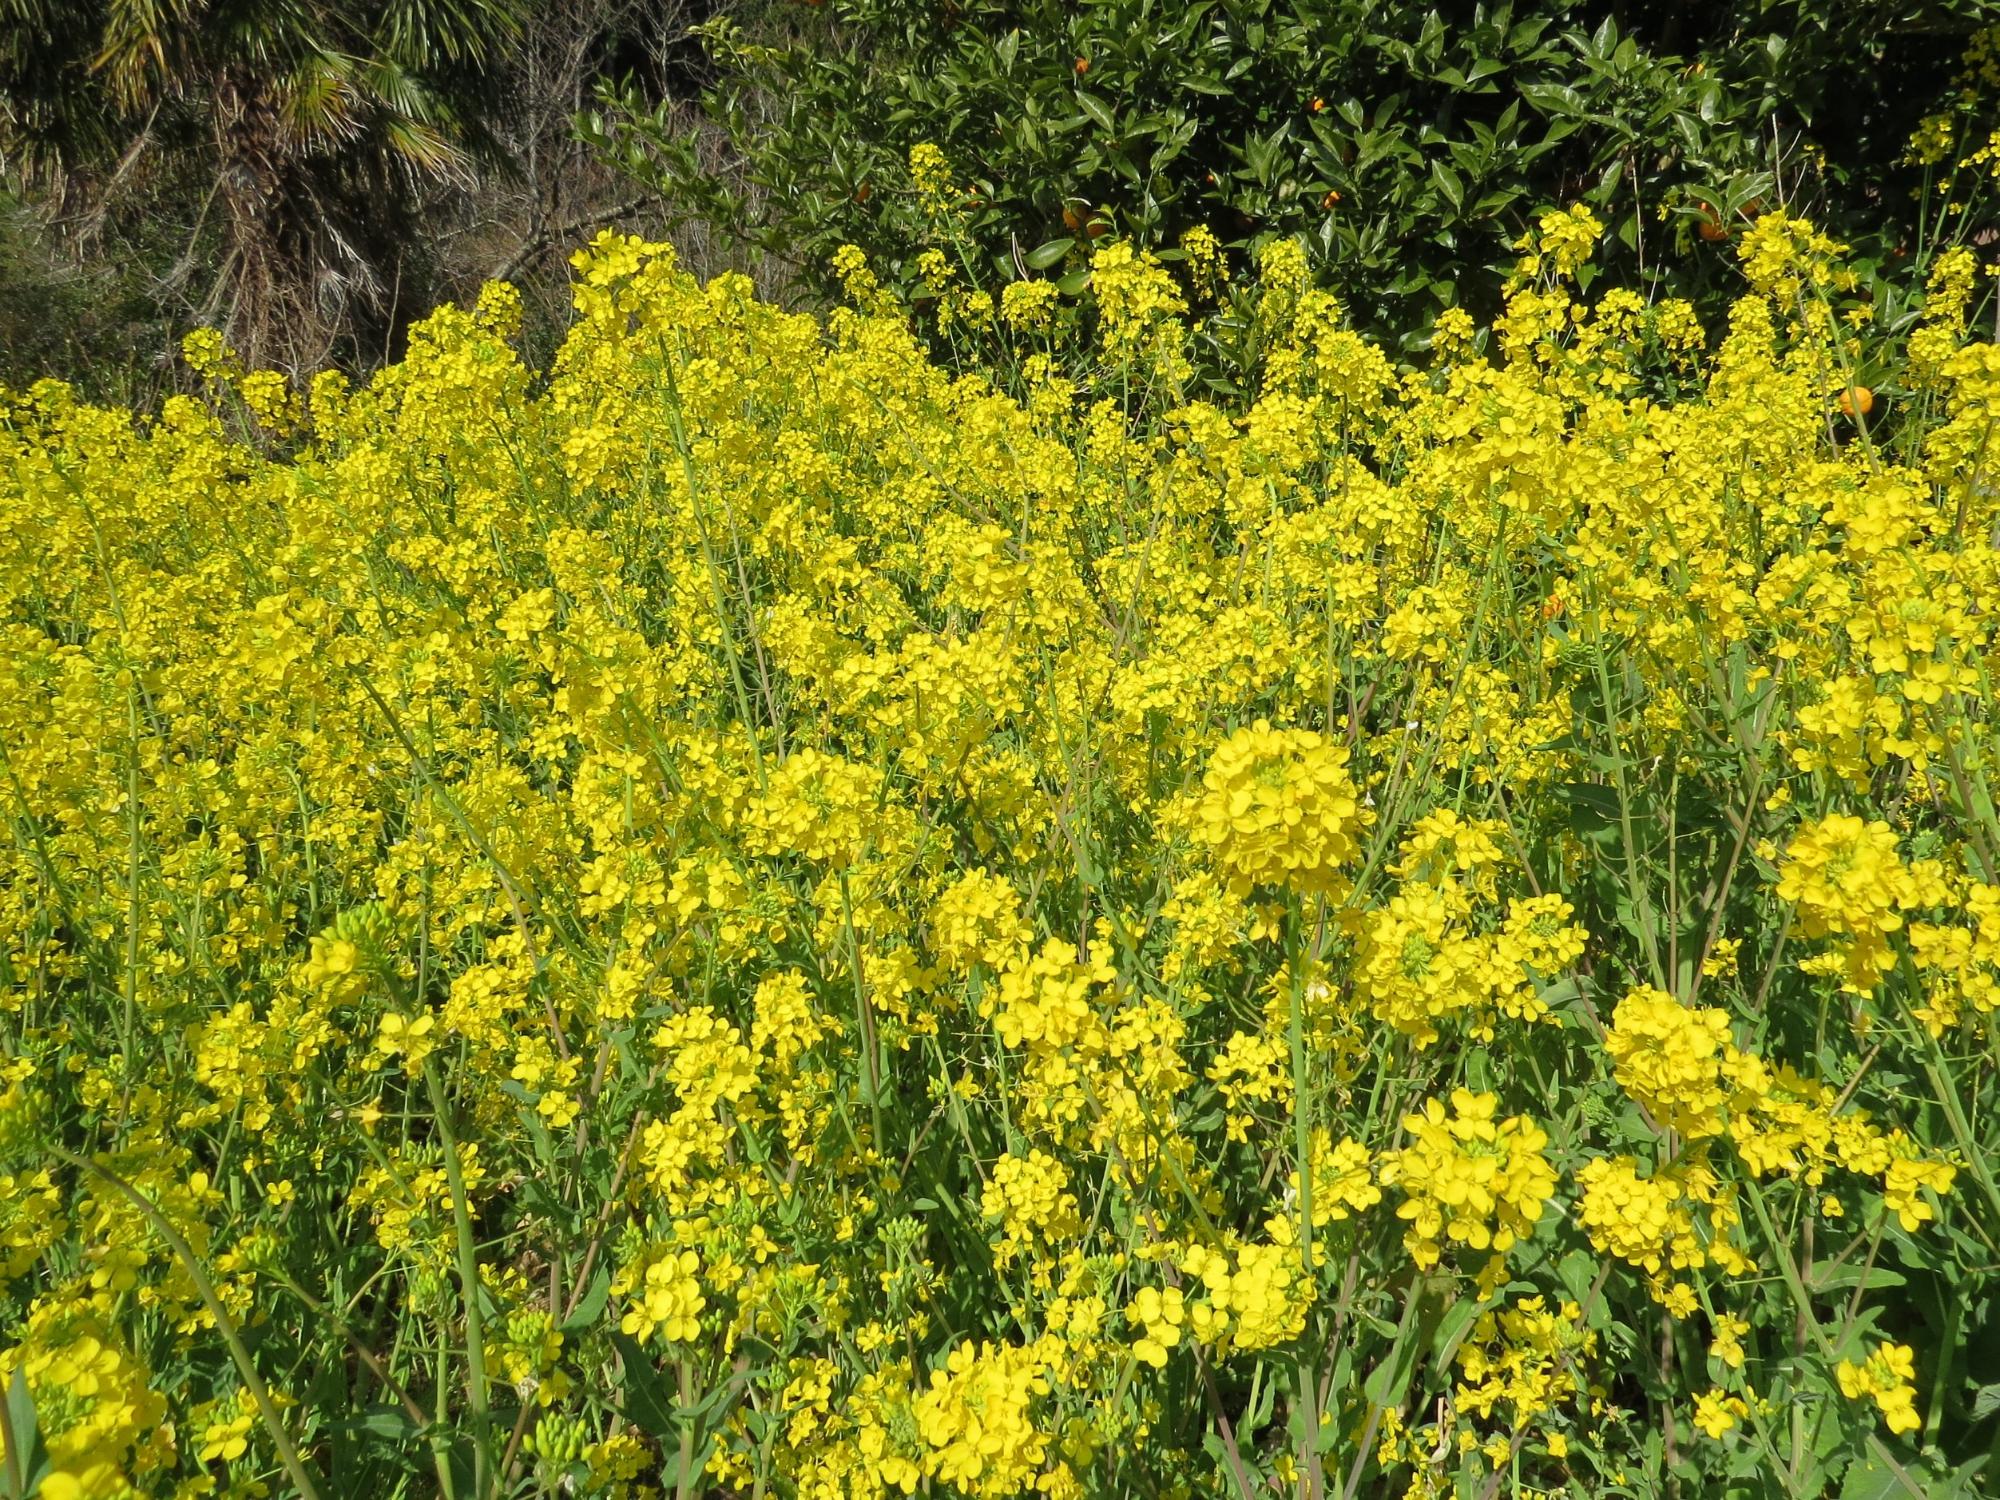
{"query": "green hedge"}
(1409, 144)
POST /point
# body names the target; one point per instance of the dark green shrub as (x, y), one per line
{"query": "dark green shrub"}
(1409, 144)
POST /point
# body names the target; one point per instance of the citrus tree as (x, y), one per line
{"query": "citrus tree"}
(1409, 147)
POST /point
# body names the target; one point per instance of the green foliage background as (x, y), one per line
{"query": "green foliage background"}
(1408, 143)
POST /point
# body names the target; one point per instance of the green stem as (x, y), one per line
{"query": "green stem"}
(468, 1278)
(1302, 1154)
(1961, 1128)
(1793, 1281)
(864, 1016)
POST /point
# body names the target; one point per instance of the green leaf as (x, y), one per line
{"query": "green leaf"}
(1594, 810)
(1448, 183)
(1097, 109)
(33, 1459)
(648, 1401)
(1450, 1333)
(591, 1308)
(1871, 1479)
(1577, 1270)
(1832, 1278)
(389, 1423)
(1046, 255)
(1388, 1383)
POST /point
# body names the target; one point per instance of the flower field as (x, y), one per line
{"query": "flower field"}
(744, 915)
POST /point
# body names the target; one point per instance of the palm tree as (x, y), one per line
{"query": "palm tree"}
(308, 128)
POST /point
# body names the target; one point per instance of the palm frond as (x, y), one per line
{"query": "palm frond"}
(430, 34)
(140, 44)
(51, 110)
(268, 36)
(399, 91)
(423, 148)
(319, 101)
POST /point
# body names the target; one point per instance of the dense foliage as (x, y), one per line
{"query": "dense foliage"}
(744, 915)
(309, 118)
(306, 175)
(1408, 144)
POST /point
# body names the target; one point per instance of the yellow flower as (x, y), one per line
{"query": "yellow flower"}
(1727, 1344)
(1888, 1377)
(664, 1292)
(1672, 1059)
(1717, 1412)
(1278, 808)
(931, 172)
(1028, 306)
(1158, 1316)
(1467, 1178)
(412, 1038)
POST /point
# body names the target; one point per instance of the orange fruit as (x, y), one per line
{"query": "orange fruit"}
(1082, 66)
(1317, 106)
(1072, 221)
(1332, 197)
(863, 193)
(1859, 401)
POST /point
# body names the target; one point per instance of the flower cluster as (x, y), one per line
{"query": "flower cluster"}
(740, 911)
(1674, 1060)
(1278, 809)
(1887, 1377)
(1848, 881)
(1468, 1179)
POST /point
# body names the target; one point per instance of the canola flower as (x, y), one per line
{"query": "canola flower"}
(745, 914)
(1885, 1377)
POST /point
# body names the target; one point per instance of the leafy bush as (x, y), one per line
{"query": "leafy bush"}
(746, 914)
(1409, 145)
(90, 323)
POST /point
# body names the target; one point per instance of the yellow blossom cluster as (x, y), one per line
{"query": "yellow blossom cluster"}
(1887, 1378)
(1278, 809)
(744, 910)
(1674, 1060)
(1467, 1178)
(1443, 947)
(1849, 882)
